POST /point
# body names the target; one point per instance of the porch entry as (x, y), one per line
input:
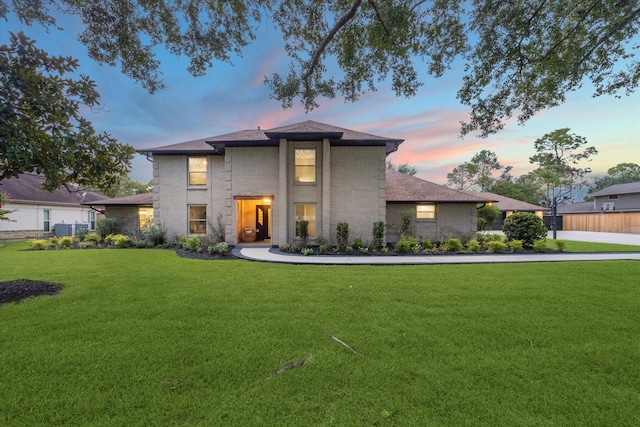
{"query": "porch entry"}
(253, 219)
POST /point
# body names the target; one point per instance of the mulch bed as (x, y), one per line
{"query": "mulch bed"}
(18, 290)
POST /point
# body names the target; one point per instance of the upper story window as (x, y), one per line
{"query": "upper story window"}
(305, 165)
(197, 171)
(613, 197)
(426, 211)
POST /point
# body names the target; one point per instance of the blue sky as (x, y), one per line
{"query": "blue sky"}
(230, 98)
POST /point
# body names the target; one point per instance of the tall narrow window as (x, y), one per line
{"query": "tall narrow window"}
(92, 220)
(46, 217)
(305, 170)
(197, 171)
(306, 213)
(426, 211)
(197, 219)
(145, 217)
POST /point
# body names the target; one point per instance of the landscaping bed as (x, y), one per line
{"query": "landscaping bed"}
(20, 289)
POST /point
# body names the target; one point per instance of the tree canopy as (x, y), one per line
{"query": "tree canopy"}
(478, 173)
(622, 173)
(41, 126)
(518, 56)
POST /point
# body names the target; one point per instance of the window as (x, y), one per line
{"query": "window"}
(305, 170)
(145, 217)
(92, 220)
(46, 216)
(426, 211)
(197, 171)
(197, 219)
(306, 213)
(613, 197)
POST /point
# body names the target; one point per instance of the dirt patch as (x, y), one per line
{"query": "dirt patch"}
(18, 290)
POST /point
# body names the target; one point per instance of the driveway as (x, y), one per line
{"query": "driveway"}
(590, 236)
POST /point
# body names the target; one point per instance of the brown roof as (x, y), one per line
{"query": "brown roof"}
(508, 204)
(404, 188)
(308, 130)
(134, 200)
(28, 188)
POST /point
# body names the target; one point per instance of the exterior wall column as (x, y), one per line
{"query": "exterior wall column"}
(229, 208)
(326, 189)
(281, 204)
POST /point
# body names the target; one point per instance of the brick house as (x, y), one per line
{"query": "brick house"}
(262, 183)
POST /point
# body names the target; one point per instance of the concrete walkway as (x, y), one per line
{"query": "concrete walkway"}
(267, 254)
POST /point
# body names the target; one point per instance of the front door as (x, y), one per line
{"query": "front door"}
(262, 222)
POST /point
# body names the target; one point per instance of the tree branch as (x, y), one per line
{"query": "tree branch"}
(372, 3)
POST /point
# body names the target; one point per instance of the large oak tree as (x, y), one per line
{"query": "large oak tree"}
(518, 56)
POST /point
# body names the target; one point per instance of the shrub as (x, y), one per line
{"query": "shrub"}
(155, 234)
(560, 244)
(221, 248)
(473, 245)
(320, 240)
(304, 232)
(217, 230)
(426, 243)
(323, 249)
(342, 234)
(105, 226)
(52, 242)
(516, 245)
(487, 216)
(122, 241)
(85, 244)
(307, 251)
(66, 241)
(454, 245)
(406, 220)
(37, 244)
(496, 246)
(284, 247)
(525, 226)
(191, 243)
(378, 235)
(93, 237)
(357, 243)
(406, 244)
(81, 234)
(540, 245)
(349, 249)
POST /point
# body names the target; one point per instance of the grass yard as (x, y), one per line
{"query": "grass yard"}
(145, 338)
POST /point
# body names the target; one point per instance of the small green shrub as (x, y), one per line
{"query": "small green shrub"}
(540, 245)
(105, 226)
(516, 245)
(349, 249)
(52, 242)
(426, 243)
(496, 246)
(364, 250)
(342, 234)
(303, 232)
(307, 251)
(473, 245)
(81, 234)
(191, 243)
(323, 249)
(284, 247)
(405, 244)
(37, 244)
(66, 242)
(525, 226)
(122, 241)
(155, 234)
(561, 245)
(93, 237)
(320, 241)
(454, 245)
(221, 248)
(378, 235)
(357, 243)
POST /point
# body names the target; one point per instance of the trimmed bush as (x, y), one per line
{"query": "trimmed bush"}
(191, 243)
(66, 242)
(378, 235)
(525, 226)
(342, 235)
(473, 245)
(221, 248)
(406, 244)
(540, 245)
(561, 245)
(454, 245)
(516, 245)
(37, 244)
(496, 246)
(93, 237)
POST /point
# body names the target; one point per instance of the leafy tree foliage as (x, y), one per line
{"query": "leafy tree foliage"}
(404, 168)
(478, 173)
(519, 56)
(127, 186)
(4, 213)
(621, 173)
(41, 126)
(526, 188)
(558, 154)
(487, 216)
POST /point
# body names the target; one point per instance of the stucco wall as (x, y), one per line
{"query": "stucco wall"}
(624, 201)
(358, 191)
(452, 220)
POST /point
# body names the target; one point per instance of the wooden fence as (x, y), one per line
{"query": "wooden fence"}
(608, 222)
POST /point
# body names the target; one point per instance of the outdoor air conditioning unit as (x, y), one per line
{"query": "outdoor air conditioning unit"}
(61, 230)
(609, 206)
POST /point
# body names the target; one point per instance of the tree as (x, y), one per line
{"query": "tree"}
(557, 158)
(478, 172)
(4, 213)
(127, 186)
(41, 128)
(487, 216)
(404, 168)
(526, 188)
(621, 173)
(519, 57)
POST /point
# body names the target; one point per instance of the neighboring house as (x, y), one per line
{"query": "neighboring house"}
(37, 211)
(615, 209)
(262, 183)
(439, 211)
(509, 206)
(131, 213)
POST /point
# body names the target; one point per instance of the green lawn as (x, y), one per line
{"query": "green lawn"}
(144, 338)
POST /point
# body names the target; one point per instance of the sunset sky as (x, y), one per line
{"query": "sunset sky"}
(231, 98)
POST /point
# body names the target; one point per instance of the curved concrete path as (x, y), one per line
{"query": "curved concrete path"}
(273, 255)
